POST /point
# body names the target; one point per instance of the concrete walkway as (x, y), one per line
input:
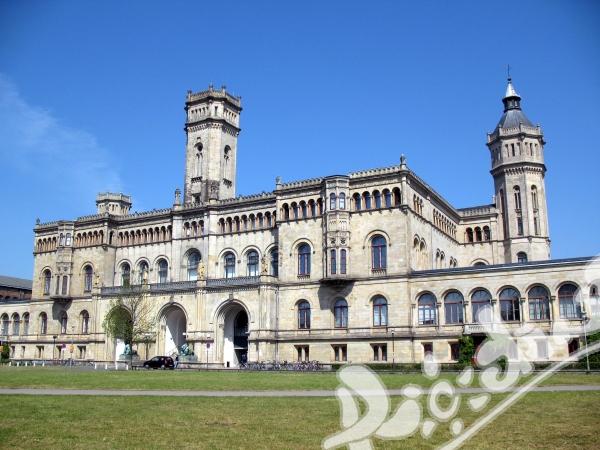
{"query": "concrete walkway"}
(291, 393)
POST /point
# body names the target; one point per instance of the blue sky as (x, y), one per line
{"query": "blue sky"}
(92, 96)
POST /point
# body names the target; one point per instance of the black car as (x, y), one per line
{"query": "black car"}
(160, 362)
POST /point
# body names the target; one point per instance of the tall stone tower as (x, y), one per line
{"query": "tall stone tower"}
(517, 151)
(212, 128)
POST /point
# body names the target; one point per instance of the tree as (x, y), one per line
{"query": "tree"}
(466, 351)
(132, 319)
(5, 354)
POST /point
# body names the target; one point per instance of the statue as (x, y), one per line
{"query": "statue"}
(186, 350)
(202, 271)
(264, 267)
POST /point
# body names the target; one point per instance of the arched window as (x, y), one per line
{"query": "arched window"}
(88, 276)
(5, 324)
(229, 259)
(143, 272)
(453, 305)
(427, 309)
(252, 263)
(63, 322)
(333, 261)
(534, 198)
(47, 281)
(521, 257)
(125, 274)
(274, 262)
(304, 315)
(387, 196)
(304, 259)
(163, 271)
(16, 321)
(478, 237)
(469, 235)
(68, 239)
(517, 192)
(340, 313)
(193, 261)
(43, 323)
(332, 201)
(509, 305)
(343, 262)
(481, 306)
(377, 198)
(357, 205)
(539, 303)
(367, 198)
(378, 252)
(487, 235)
(85, 322)
(568, 301)
(380, 312)
(25, 324)
(342, 201)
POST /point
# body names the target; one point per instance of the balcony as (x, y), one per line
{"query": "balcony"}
(153, 288)
(233, 281)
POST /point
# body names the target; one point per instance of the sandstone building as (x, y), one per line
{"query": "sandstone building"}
(369, 266)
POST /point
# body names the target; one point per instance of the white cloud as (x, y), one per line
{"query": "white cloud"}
(61, 159)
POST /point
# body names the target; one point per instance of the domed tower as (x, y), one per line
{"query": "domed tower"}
(517, 152)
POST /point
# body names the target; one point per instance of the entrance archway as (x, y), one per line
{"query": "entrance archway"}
(235, 335)
(173, 326)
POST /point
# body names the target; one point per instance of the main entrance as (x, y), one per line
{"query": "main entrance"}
(173, 326)
(235, 337)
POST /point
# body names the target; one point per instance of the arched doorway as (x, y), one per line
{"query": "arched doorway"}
(173, 327)
(235, 335)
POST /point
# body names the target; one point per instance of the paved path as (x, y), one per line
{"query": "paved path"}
(292, 393)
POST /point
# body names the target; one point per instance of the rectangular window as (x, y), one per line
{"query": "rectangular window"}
(343, 262)
(427, 347)
(303, 353)
(81, 351)
(340, 352)
(454, 351)
(509, 310)
(520, 226)
(40, 352)
(379, 352)
(536, 225)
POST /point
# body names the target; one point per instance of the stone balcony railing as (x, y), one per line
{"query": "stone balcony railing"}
(172, 286)
(233, 281)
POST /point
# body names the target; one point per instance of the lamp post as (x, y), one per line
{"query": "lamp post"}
(587, 356)
(53, 348)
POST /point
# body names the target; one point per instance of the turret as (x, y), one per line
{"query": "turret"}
(517, 156)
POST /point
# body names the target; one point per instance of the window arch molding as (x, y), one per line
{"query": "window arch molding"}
(124, 271)
(252, 261)
(454, 302)
(480, 262)
(339, 307)
(379, 310)
(303, 310)
(140, 264)
(191, 261)
(158, 258)
(372, 234)
(427, 308)
(87, 275)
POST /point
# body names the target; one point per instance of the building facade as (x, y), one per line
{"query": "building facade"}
(369, 266)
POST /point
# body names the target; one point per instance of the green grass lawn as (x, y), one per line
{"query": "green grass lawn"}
(565, 420)
(221, 380)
